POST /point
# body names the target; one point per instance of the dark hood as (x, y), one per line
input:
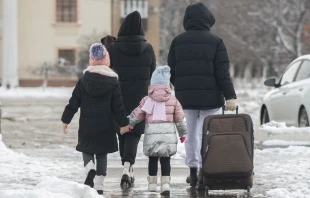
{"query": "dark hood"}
(98, 84)
(132, 25)
(131, 45)
(198, 17)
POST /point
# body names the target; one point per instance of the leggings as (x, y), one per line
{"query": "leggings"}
(101, 168)
(165, 166)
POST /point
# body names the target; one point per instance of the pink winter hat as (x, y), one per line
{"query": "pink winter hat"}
(99, 55)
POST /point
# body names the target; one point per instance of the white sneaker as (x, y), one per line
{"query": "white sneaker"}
(131, 174)
(126, 180)
(165, 185)
(152, 183)
(99, 183)
(126, 168)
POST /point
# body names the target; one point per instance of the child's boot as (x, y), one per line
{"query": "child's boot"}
(152, 183)
(91, 173)
(126, 181)
(99, 181)
(165, 185)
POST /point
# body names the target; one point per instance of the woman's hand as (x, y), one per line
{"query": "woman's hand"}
(230, 105)
(64, 128)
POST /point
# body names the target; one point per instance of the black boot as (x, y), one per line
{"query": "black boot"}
(201, 185)
(194, 178)
(89, 181)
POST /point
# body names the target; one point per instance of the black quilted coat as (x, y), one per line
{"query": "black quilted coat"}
(199, 63)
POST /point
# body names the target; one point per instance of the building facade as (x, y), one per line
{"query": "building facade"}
(41, 35)
(150, 13)
(34, 32)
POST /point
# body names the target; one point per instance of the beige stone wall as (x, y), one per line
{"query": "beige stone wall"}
(152, 34)
(39, 37)
(1, 38)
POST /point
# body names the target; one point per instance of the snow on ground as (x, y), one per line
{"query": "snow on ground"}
(286, 170)
(285, 143)
(279, 131)
(35, 92)
(280, 127)
(52, 187)
(16, 168)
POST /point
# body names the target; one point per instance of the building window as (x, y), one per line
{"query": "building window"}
(66, 11)
(129, 6)
(66, 56)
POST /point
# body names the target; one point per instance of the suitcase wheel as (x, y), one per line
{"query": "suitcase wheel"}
(249, 189)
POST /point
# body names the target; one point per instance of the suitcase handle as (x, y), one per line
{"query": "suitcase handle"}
(223, 110)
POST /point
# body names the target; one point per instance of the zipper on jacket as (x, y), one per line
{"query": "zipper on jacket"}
(246, 124)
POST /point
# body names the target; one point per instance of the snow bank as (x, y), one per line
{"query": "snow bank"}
(301, 192)
(37, 92)
(285, 143)
(52, 187)
(7, 154)
(279, 131)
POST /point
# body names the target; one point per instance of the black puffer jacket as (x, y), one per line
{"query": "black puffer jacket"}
(98, 94)
(134, 61)
(199, 63)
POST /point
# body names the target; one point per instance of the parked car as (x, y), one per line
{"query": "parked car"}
(289, 102)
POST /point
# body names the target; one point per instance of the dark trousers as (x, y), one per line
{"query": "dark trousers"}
(101, 160)
(128, 144)
(165, 166)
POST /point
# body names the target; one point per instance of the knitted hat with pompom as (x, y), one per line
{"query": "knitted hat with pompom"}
(98, 55)
(161, 75)
(97, 51)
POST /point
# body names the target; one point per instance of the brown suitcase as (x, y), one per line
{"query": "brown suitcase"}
(227, 152)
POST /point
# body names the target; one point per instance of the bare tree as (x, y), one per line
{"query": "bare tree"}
(262, 37)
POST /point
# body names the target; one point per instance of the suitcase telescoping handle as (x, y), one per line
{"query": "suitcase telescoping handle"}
(223, 109)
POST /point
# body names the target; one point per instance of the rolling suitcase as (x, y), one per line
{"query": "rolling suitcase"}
(227, 152)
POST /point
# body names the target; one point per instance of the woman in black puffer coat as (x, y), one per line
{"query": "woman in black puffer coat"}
(134, 61)
(200, 74)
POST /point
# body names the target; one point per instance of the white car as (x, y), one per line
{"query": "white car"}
(289, 102)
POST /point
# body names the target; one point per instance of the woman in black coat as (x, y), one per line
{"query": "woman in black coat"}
(134, 61)
(199, 65)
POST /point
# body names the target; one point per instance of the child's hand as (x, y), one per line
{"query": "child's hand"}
(125, 129)
(64, 128)
(182, 139)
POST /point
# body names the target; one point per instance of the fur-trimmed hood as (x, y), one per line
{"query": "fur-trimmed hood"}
(102, 70)
(99, 80)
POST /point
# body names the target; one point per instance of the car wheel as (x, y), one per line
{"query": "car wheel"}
(265, 116)
(303, 118)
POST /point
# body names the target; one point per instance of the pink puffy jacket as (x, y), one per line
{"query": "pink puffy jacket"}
(160, 137)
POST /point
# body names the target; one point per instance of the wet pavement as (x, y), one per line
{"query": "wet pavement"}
(32, 127)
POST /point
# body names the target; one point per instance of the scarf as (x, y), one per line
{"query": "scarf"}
(158, 109)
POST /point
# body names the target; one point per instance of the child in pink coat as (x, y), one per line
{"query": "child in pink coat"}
(164, 117)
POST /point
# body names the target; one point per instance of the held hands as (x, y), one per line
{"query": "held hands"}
(126, 129)
(230, 105)
(64, 128)
(182, 139)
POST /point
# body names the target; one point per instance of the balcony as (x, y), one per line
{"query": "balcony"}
(128, 6)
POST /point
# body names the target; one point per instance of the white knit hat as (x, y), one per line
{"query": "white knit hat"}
(161, 75)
